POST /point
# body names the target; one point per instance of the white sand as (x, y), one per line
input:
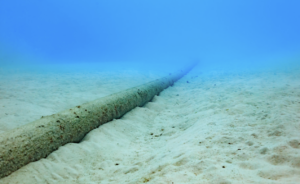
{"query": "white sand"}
(26, 95)
(218, 128)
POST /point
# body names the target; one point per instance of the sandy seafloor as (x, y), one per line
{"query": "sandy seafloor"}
(209, 127)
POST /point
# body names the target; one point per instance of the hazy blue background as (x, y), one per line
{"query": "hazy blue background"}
(213, 31)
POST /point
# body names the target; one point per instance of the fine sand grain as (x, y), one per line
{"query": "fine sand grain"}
(210, 127)
(27, 95)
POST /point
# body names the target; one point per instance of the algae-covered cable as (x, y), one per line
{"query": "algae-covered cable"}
(38, 139)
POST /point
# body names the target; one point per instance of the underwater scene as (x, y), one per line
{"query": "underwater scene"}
(157, 92)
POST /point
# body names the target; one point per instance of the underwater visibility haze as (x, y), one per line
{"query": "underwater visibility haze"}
(227, 33)
(234, 118)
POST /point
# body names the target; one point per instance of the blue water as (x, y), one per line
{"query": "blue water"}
(229, 33)
(238, 108)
